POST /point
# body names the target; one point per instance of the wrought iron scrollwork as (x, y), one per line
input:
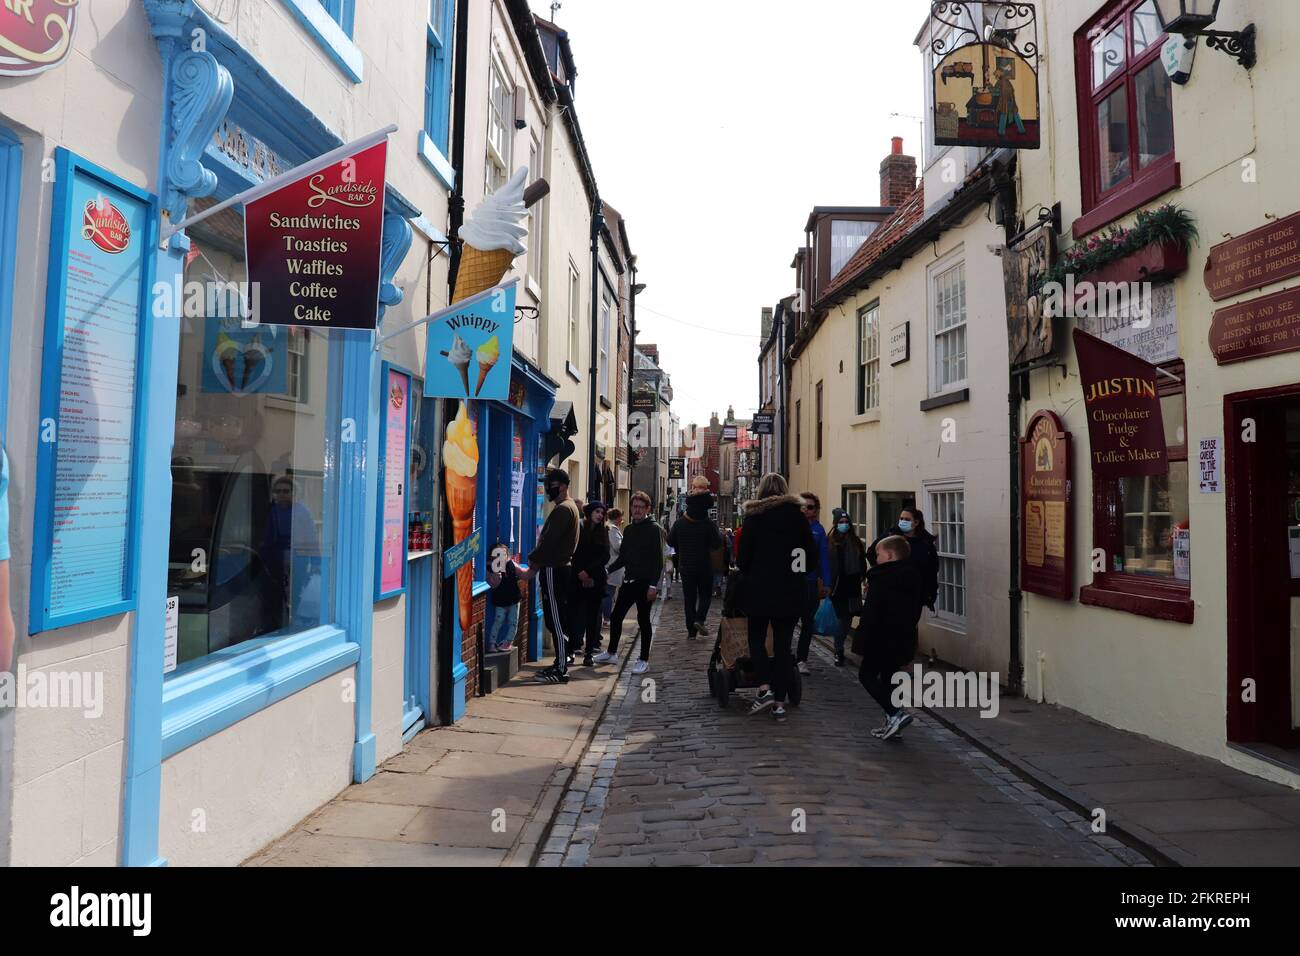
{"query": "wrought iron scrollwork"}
(1012, 26)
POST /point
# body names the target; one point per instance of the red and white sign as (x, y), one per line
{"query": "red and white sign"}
(104, 225)
(35, 35)
(313, 246)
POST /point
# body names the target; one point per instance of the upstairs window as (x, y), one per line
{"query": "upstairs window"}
(437, 73)
(1126, 125)
(341, 12)
(868, 359)
(501, 118)
(847, 236)
(950, 329)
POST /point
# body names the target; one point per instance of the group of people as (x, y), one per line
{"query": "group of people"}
(790, 565)
(588, 568)
(591, 569)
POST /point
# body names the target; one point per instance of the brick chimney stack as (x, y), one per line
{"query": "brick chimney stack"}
(897, 175)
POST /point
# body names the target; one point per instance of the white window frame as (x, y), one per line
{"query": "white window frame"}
(575, 310)
(861, 528)
(948, 525)
(500, 120)
(606, 324)
(535, 223)
(937, 301)
(867, 399)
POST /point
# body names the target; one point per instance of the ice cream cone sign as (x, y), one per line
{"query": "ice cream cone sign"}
(460, 481)
(468, 342)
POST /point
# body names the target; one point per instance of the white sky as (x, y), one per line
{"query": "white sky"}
(714, 127)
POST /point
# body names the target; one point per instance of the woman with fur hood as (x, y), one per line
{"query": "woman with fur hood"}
(776, 546)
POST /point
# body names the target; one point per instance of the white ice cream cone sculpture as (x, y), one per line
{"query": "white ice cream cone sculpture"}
(492, 237)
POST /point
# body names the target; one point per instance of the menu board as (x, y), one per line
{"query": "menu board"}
(1045, 566)
(101, 258)
(390, 578)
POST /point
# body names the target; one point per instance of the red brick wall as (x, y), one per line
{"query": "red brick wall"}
(469, 646)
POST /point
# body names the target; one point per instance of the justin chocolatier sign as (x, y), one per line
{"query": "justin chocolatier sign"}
(1046, 520)
(1125, 427)
(313, 246)
(1258, 258)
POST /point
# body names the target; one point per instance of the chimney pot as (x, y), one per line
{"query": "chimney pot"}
(897, 146)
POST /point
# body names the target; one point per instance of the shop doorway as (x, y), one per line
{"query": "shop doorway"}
(1262, 455)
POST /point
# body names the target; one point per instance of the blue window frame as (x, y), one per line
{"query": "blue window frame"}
(437, 90)
(341, 12)
(11, 170)
(330, 23)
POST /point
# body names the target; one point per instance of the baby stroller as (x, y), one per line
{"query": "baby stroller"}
(730, 667)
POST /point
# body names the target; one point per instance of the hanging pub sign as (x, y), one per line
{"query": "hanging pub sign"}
(35, 35)
(642, 402)
(985, 74)
(764, 423)
(1125, 426)
(313, 245)
(1258, 258)
(1046, 518)
(676, 469)
(1030, 332)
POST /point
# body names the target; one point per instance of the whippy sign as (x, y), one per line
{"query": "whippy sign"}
(313, 245)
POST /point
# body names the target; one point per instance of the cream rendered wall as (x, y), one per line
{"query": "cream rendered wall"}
(568, 217)
(226, 798)
(901, 448)
(1162, 679)
(60, 771)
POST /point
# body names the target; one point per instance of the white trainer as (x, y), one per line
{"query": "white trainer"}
(605, 657)
(640, 667)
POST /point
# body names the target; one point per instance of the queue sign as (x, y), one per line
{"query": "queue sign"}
(313, 246)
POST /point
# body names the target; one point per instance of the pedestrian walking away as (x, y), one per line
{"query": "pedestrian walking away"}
(588, 581)
(503, 577)
(923, 554)
(848, 564)
(642, 555)
(549, 562)
(614, 524)
(695, 538)
(887, 632)
(776, 543)
(818, 577)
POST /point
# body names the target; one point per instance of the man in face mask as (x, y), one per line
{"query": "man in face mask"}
(549, 561)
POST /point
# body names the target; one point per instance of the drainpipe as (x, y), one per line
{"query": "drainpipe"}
(781, 389)
(456, 205)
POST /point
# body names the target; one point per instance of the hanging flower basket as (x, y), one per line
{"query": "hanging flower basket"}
(1154, 263)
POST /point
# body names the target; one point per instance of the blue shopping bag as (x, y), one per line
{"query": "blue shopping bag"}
(827, 621)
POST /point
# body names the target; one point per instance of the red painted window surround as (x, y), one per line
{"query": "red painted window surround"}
(1161, 598)
(1162, 175)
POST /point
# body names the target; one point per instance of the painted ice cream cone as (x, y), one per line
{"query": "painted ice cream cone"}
(492, 237)
(488, 355)
(460, 454)
(459, 357)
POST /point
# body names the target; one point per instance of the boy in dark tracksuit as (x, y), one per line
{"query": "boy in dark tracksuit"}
(550, 561)
(642, 554)
(889, 616)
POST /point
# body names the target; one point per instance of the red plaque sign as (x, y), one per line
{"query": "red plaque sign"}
(1046, 516)
(104, 225)
(313, 246)
(1264, 326)
(35, 35)
(1261, 257)
(1125, 426)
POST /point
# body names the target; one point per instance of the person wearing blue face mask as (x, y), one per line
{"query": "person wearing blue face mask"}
(911, 525)
(848, 564)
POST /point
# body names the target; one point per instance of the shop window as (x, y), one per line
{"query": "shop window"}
(1126, 129)
(250, 524)
(948, 525)
(868, 359)
(437, 73)
(1142, 529)
(535, 233)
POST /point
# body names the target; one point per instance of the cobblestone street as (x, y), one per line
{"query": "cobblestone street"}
(672, 779)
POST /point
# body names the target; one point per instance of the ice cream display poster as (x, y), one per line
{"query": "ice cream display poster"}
(396, 445)
(470, 349)
(239, 361)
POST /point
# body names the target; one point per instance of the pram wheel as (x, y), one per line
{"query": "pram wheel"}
(722, 687)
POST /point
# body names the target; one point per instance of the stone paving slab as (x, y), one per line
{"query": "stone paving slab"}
(1190, 810)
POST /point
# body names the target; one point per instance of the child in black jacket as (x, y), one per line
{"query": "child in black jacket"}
(888, 627)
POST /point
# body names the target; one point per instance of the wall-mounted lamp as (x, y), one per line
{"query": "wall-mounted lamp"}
(1193, 18)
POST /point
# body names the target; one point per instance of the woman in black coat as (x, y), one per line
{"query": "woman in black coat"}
(588, 579)
(776, 546)
(924, 555)
(848, 565)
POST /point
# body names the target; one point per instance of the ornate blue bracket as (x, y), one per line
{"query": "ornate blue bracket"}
(396, 244)
(201, 91)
